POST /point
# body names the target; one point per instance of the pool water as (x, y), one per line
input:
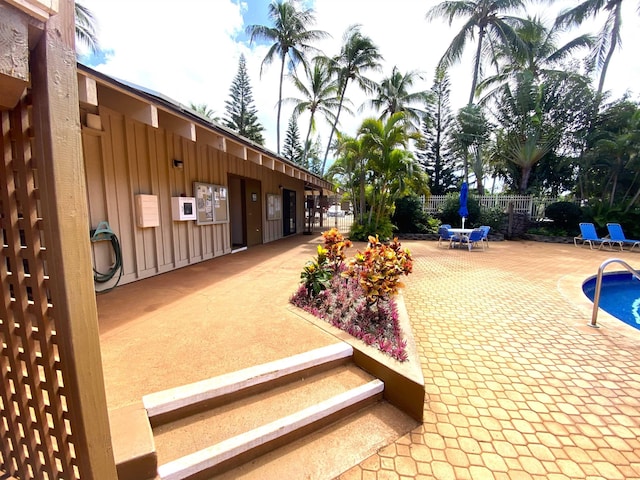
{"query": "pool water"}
(620, 296)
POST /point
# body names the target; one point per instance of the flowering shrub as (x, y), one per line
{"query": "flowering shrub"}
(317, 273)
(357, 298)
(379, 267)
(335, 245)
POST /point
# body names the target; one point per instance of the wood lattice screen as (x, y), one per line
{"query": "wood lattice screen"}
(35, 431)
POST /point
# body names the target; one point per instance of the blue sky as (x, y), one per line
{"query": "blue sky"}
(189, 50)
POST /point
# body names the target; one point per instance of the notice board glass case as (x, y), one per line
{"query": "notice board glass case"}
(212, 203)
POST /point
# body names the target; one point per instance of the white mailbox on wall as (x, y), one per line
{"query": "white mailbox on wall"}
(183, 208)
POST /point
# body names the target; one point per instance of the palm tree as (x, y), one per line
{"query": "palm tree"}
(291, 39)
(484, 15)
(86, 27)
(357, 55)
(528, 131)
(609, 37)
(392, 95)
(350, 166)
(385, 145)
(471, 133)
(319, 96)
(537, 54)
(204, 110)
(615, 151)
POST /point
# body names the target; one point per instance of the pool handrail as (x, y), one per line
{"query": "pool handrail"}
(596, 294)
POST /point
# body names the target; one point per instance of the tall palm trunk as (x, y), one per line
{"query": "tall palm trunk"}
(362, 192)
(605, 65)
(524, 181)
(305, 153)
(334, 126)
(476, 67)
(280, 102)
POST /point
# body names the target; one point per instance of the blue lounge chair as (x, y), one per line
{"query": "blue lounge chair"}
(474, 239)
(616, 235)
(589, 235)
(445, 234)
(485, 234)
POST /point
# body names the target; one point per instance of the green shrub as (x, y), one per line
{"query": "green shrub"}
(317, 273)
(378, 269)
(600, 213)
(548, 231)
(449, 211)
(493, 217)
(565, 215)
(360, 232)
(409, 216)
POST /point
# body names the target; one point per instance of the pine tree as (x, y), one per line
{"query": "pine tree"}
(292, 149)
(434, 154)
(314, 160)
(241, 113)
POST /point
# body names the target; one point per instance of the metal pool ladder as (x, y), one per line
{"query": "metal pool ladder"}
(596, 295)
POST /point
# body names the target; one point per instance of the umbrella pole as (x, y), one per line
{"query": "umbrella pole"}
(462, 222)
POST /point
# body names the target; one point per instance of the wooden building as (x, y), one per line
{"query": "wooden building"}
(148, 159)
(144, 157)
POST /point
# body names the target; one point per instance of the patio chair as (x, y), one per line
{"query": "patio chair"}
(485, 237)
(616, 235)
(589, 235)
(474, 239)
(444, 233)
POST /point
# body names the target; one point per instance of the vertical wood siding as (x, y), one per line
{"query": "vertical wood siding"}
(129, 158)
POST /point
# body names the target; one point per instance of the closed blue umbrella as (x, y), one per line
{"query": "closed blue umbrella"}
(464, 193)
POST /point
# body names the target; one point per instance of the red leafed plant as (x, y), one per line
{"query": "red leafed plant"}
(379, 268)
(357, 295)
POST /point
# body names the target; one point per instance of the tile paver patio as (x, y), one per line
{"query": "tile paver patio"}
(517, 386)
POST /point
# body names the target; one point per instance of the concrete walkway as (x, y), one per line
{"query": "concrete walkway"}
(518, 387)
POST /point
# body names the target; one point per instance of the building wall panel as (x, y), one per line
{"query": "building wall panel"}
(129, 158)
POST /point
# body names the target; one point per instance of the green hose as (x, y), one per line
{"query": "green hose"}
(102, 234)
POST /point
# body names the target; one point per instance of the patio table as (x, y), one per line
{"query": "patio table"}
(463, 232)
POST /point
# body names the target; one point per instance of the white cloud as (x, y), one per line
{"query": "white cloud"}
(187, 50)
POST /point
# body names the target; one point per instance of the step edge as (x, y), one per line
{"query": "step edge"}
(166, 401)
(209, 457)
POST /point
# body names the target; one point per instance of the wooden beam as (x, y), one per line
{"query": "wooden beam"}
(177, 125)
(128, 105)
(254, 156)
(63, 198)
(14, 55)
(236, 149)
(87, 91)
(39, 9)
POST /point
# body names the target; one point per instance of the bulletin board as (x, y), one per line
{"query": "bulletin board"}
(274, 207)
(212, 203)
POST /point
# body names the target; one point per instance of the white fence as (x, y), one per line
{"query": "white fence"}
(529, 205)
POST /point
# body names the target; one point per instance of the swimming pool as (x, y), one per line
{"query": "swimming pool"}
(620, 296)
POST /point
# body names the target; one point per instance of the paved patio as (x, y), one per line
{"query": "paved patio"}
(518, 387)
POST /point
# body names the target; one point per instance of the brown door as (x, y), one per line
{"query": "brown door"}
(288, 212)
(253, 199)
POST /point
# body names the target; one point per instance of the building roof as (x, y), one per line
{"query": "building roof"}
(312, 181)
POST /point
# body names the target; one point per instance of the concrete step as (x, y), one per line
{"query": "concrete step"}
(217, 457)
(228, 423)
(239, 416)
(169, 405)
(328, 452)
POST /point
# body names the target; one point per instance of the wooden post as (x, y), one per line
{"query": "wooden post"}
(510, 214)
(66, 227)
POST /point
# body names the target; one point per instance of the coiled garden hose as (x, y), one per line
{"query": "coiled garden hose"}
(103, 233)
